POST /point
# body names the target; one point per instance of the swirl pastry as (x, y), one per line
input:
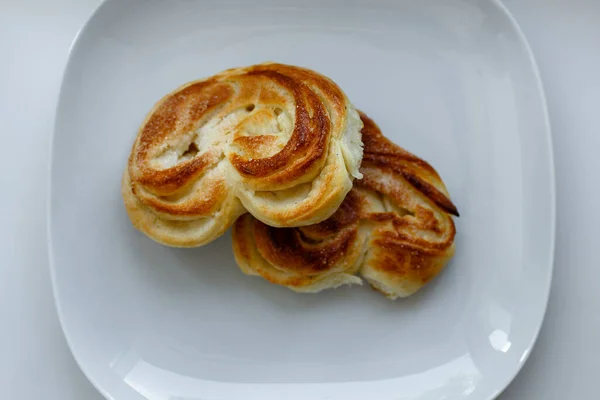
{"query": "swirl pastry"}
(278, 141)
(394, 229)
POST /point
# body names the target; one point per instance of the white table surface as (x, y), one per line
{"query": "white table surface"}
(35, 36)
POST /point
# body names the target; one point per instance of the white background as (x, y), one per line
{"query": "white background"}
(35, 36)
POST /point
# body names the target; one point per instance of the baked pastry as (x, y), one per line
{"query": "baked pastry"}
(279, 141)
(305, 259)
(394, 229)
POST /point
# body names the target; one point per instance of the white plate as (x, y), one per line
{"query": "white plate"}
(451, 80)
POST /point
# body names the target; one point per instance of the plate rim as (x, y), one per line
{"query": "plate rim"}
(551, 171)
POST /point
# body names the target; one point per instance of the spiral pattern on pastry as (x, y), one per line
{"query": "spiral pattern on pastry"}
(394, 229)
(278, 141)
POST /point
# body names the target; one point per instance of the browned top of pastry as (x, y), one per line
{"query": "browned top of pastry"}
(273, 85)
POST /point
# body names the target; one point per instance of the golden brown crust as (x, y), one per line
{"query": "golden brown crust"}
(294, 260)
(381, 153)
(259, 134)
(311, 249)
(394, 228)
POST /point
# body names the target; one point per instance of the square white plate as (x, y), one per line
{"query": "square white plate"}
(450, 80)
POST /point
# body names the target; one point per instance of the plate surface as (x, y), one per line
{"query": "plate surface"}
(451, 80)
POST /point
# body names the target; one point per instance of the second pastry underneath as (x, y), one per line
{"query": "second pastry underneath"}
(394, 229)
